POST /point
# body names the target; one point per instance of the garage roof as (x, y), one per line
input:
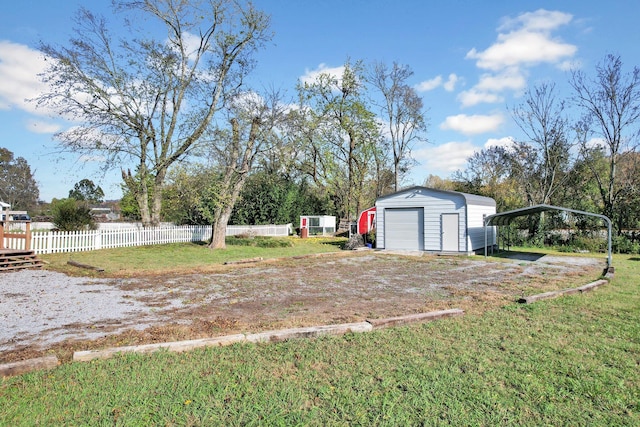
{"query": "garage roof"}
(470, 199)
(504, 218)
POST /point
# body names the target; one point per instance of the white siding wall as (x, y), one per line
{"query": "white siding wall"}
(475, 223)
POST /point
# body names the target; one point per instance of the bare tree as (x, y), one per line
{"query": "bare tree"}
(610, 103)
(147, 102)
(252, 134)
(541, 163)
(403, 111)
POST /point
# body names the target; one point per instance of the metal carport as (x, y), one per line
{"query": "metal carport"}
(504, 218)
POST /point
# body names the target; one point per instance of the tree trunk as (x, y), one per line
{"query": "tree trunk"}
(140, 192)
(219, 231)
(156, 201)
(142, 197)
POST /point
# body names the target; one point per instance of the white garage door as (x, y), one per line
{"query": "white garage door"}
(404, 229)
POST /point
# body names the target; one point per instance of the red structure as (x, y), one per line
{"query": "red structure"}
(367, 220)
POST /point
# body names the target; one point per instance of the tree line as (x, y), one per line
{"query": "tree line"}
(589, 162)
(195, 143)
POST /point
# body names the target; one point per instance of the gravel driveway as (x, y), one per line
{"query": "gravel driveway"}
(40, 308)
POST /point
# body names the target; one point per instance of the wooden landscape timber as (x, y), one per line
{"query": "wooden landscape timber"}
(414, 318)
(87, 266)
(176, 347)
(267, 336)
(309, 332)
(555, 294)
(24, 366)
(244, 261)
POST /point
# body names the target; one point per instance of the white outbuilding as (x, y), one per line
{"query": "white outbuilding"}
(425, 219)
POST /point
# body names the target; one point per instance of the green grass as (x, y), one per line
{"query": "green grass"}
(568, 361)
(187, 257)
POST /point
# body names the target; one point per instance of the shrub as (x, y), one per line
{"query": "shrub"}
(72, 215)
(624, 245)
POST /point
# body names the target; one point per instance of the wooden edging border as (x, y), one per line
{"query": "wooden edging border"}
(555, 294)
(48, 362)
(268, 336)
(24, 366)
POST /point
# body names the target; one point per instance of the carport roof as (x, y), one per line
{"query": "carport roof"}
(504, 218)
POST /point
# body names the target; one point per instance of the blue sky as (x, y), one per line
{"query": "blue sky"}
(471, 60)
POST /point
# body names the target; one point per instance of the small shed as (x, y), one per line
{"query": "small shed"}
(426, 219)
(367, 220)
(318, 225)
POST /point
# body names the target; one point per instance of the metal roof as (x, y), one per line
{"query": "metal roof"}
(470, 199)
(504, 218)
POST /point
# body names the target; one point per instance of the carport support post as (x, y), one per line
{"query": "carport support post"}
(485, 236)
(609, 260)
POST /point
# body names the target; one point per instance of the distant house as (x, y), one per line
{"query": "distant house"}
(104, 214)
(4, 208)
(425, 219)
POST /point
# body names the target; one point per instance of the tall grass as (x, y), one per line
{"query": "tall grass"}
(569, 361)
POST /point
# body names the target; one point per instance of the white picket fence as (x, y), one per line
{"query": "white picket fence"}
(47, 242)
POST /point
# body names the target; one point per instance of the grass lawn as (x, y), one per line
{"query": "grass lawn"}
(568, 361)
(186, 257)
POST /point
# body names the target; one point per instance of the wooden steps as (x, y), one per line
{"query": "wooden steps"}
(12, 260)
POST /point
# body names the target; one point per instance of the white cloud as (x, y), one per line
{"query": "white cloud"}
(19, 69)
(510, 79)
(41, 126)
(449, 85)
(428, 85)
(541, 20)
(473, 124)
(596, 143)
(310, 76)
(489, 87)
(571, 64)
(522, 48)
(191, 44)
(506, 142)
(522, 42)
(445, 158)
(527, 42)
(472, 97)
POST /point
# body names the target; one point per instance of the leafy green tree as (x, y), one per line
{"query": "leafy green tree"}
(341, 135)
(190, 195)
(18, 187)
(147, 102)
(71, 215)
(273, 198)
(86, 190)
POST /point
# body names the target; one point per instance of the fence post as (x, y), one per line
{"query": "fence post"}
(47, 250)
(98, 241)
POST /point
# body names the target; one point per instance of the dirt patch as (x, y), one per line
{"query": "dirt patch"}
(68, 314)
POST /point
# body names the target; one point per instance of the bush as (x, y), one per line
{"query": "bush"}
(624, 245)
(72, 215)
